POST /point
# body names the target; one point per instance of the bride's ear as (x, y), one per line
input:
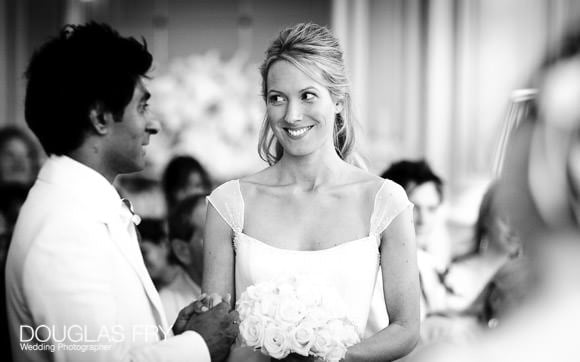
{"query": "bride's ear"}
(338, 106)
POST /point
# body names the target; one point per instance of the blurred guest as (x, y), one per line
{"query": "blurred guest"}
(12, 196)
(186, 224)
(145, 194)
(539, 191)
(495, 244)
(184, 176)
(476, 290)
(425, 190)
(19, 160)
(154, 244)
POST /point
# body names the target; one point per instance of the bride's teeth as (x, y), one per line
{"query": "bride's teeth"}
(297, 132)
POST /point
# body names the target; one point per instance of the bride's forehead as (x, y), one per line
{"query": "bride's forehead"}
(285, 74)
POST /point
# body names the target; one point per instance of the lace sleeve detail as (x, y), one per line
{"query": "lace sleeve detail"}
(390, 201)
(228, 202)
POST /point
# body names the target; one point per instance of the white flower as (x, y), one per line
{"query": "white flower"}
(257, 292)
(245, 307)
(252, 331)
(302, 338)
(268, 306)
(322, 342)
(290, 310)
(335, 353)
(343, 331)
(293, 316)
(276, 342)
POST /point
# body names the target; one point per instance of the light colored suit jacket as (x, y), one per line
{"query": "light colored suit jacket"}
(76, 279)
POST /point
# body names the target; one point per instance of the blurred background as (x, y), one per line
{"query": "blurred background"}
(431, 78)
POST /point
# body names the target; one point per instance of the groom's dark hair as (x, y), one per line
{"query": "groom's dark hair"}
(85, 67)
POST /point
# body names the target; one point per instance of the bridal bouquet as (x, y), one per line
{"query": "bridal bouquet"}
(294, 316)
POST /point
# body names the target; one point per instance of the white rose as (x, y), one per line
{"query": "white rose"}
(343, 331)
(252, 331)
(302, 339)
(258, 291)
(290, 311)
(335, 353)
(276, 341)
(244, 307)
(322, 342)
(308, 294)
(317, 316)
(268, 306)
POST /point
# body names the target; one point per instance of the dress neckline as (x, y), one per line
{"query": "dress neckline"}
(325, 250)
(371, 236)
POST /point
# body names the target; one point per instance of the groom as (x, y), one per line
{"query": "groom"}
(77, 287)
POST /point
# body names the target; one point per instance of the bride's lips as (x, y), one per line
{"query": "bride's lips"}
(297, 132)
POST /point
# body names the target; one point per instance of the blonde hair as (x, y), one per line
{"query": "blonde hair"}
(315, 51)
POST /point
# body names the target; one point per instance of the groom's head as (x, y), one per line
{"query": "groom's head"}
(85, 89)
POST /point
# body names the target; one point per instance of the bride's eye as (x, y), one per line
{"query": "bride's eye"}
(275, 99)
(308, 96)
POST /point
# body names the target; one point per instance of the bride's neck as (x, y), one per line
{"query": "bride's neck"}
(309, 172)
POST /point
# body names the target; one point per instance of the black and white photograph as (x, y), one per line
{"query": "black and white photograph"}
(301, 180)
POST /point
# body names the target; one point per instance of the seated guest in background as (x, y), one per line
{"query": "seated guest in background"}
(184, 176)
(186, 224)
(425, 190)
(476, 292)
(495, 244)
(19, 159)
(154, 244)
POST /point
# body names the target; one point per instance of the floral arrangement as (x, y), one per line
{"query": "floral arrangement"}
(210, 108)
(295, 316)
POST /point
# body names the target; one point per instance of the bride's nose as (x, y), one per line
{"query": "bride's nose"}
(293, 113)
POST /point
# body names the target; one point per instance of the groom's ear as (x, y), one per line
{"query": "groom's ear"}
(100, 119)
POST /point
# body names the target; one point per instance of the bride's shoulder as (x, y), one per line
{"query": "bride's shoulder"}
(258, 182)
(361, 179)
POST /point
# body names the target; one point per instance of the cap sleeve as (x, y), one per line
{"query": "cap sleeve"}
(227, 200)
(390, 201)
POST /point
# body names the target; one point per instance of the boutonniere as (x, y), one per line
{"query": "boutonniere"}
(135, 219)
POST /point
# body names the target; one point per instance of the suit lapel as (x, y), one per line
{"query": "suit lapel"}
(127, 244)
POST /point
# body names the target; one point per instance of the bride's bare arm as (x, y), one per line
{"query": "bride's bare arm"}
(218, 254)
(401, 287)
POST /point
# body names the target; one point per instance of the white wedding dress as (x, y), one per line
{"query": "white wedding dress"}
(348, 269)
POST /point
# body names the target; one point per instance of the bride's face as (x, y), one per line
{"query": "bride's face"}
(301, 111)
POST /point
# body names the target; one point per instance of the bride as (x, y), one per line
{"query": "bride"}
(311, 212)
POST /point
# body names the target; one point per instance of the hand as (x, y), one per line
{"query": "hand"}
(218, 327)
(201, 305)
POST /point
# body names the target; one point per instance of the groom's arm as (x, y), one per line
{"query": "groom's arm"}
(72, 287)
